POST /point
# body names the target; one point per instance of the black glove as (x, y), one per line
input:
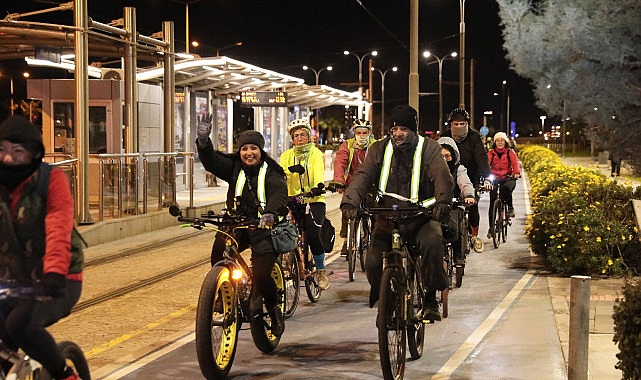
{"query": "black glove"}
(203, 130)
(266, 220)
(298, 168)
(349, 211)
(53, 284)
(441, 212)
(316, 191)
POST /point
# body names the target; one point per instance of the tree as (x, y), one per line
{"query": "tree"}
(584, 55)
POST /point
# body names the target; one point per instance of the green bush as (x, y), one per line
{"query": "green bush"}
(627, 330)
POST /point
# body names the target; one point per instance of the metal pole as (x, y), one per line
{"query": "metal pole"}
(440, 95)
(563, 137)
(507, 112)
(579, 338)
(11, 110)
(413, 76)
(383, 103)
(462, 56)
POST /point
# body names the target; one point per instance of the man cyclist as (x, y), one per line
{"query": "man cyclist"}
(257, 189)
(305, 169)
(463, 189)
(395, 158)
(348, 159)
(474, 158)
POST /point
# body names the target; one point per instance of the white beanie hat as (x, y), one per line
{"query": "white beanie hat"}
(501, 135)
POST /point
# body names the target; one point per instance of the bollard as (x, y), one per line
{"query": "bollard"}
(579, 338)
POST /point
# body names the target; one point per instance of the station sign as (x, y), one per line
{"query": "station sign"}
(264, 98)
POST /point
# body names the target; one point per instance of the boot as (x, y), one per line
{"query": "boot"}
(431, 310)
(278, 321)
(323, 279)
(477, 243)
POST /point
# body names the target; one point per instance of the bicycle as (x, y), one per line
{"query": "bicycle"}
(225, 299)
(455, 272)
(399, 320)
(358, 236)
(25, 367)
(300, 262)
(499, 217)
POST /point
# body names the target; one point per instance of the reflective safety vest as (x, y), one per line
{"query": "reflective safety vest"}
(416, 172)
(260, 192)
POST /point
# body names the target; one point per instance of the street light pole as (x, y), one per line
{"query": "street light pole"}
(543, 117)
(317, 72)
(360, 75)
(11, 104)
(383, 73)
(427, 54)
(462, 59)
(563, 137)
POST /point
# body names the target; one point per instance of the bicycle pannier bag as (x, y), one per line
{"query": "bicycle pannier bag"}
(328, 235)
(284, 237)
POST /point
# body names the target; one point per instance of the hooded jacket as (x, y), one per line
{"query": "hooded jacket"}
(473, 155)
(464, 187)
(435, 178)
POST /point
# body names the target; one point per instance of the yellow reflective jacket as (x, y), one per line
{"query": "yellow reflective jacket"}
(314, 173)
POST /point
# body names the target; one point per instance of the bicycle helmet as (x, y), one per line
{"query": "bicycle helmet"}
(458, 114)
(362, 123)
(298, 124)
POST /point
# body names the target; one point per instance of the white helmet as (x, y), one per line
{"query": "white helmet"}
(297, 124)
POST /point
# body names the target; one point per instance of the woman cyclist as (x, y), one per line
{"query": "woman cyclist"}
(504, 166)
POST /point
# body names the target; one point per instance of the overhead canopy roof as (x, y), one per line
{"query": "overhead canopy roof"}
(228, 76)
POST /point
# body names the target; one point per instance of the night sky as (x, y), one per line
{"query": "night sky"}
(284, 35)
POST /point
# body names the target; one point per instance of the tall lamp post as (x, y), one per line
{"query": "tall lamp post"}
(187, 2)
(317, 72)
(383, 73)
(360, 74)
(543, 117)
(462, 59)
(427, 55)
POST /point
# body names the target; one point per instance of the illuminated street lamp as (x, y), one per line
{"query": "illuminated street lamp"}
(383, 73)
(427, 55)
(186, 2)
(360, 74)
(317, 72)
(543, 117)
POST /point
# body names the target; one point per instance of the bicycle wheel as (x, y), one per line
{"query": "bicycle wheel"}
(352, 247)
(415, 324)
(496, 223)
(364, 234)
(391, 324)
(74, 358)
(506, 222)
(311, 280)
(445, 302)
(260, 326)
(448, 263)
(217, 324)
(291, 276)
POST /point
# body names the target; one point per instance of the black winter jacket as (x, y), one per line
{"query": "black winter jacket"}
(473, 155)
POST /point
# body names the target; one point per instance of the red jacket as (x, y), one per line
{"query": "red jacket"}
(344, 163)
(500, 165)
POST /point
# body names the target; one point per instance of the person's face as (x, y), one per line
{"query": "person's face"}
(446, 154)
(361, 132)
(300, 137)
(250, 154)
(500, 143)
(14, 154)
(399, 134)
(459, 125)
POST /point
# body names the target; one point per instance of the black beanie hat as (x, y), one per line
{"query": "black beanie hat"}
(19, 130)
(404, 116)
(251, 137)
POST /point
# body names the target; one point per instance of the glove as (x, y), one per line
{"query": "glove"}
(298, 168)
(349, 211)
(441, 212)
(266, 221)
(203, 130)
(316, 191)
(53, 284)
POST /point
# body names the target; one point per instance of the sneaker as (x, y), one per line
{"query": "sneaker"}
(477, 244)
(323, 279)
(431, 312)
(344, 249)
(277, 319)
(510, 211)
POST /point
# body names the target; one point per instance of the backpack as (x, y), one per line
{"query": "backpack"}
(328, 235)
(78, 243)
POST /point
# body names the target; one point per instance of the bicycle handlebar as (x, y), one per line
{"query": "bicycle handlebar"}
(219, 220)
(15, 290)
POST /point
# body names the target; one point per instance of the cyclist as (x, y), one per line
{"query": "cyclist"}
(36, 229)
(463, 188)
(394, 158)
(504, 166)
(305, 169)
(257, 189)
(473, 156)
(348, 159)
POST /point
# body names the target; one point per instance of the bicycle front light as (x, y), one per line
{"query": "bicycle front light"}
(237, 274)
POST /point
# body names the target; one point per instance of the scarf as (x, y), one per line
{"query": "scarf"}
(302, 151)
(459, 134)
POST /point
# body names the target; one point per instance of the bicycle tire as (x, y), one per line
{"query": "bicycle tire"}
(415, 324)
(460, 272)
(217, 333)
(312, 288)
(365, 234)
(74, 358)
(291, 276)
(448, 263)
(506, 222)
(352, 246)
(496, 220)
(260, 326)
(391, 324)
